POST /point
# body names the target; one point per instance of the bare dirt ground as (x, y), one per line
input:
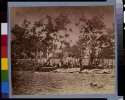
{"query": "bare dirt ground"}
(28, 83)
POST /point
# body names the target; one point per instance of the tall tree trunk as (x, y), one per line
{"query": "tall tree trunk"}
(37, 54)
(53, 50)
(56, 37)
(24, 54)
(65, 45)
(14, 53)
(62, 52)
(53, 42)
(47, 52)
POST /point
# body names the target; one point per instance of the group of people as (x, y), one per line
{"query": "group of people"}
(72, 61)
(69, 62)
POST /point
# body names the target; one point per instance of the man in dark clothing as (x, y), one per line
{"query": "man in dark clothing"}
(81, 67)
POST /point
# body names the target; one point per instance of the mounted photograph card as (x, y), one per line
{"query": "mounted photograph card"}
(66, 50)
(62, 50)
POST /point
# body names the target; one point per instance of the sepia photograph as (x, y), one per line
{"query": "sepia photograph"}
(62, 50)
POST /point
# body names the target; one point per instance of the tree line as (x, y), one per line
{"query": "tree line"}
(32, 38)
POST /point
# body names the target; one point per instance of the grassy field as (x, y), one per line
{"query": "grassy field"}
(28, 83)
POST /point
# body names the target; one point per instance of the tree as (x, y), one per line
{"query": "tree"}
(50, 29)
(66, 43)
(89, 28)
(61, 24)
(75, 50)
(107, 43)
(54, 26)
(61, 41)
(20, 33)
(37, 30)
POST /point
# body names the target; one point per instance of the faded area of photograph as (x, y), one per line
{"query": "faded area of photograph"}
(62, 50)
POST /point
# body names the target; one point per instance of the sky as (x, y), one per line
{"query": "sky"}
(18, 14)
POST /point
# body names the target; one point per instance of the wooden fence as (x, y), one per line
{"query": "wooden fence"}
(84, 61)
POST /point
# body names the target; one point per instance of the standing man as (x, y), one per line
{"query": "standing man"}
(80, 62)
(68, 61)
